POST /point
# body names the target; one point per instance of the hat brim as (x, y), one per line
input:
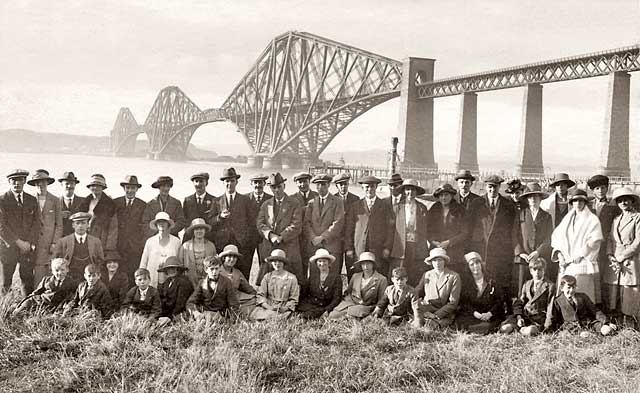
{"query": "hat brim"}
(542, 194)
(419, 190)
(93, 183)
(130, 184)
(466, 177)
(191, 228)
(450, 192)
(579, 197)
(570, 183)
(164, 268)
(153, 223)
(232, 253)
(635, 197)
(431, 258)
(75, 180)
(157, 184)
(230, 177)
(276, 184)
(369, 181)
(276, 259)
(330, 257)
(33, 182)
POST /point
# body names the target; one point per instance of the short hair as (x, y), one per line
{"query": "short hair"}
(142, 272)
(538, 263)
(568, 279)
(59, 261)
(92, 268)
(212, 261)
(399, 272)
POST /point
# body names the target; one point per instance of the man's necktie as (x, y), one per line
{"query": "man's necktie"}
(199, 201)
(276, 208)
(20, 200)
(321, 204)
(81, 241)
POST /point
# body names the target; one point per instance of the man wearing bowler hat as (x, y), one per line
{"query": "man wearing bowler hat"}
(131, 229)
(70, 201)
(104, 221)
(164, 203)
(257, 198)
(557, 203)
(19, 230)
(198, 204)
(370, 227)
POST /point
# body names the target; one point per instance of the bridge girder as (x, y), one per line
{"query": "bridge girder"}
(124, 133)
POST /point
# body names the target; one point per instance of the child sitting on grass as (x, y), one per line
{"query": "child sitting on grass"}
(175, 290)
(91, 294)
(395, 306)
(575, 312)
(143, 299)
(530, 309)
(116, 280)
(214, 298)
(53, 292)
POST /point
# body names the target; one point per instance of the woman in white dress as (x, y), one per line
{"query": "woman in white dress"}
(159, 247)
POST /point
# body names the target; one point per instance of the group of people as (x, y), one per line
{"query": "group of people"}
(529, 261)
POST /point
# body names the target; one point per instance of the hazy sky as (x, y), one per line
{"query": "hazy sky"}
(68, 66)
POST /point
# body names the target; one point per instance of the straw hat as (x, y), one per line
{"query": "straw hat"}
(161, 216)
(230, 249)
(322, 253)
(437, 253)
(277, 255)
(366, 257)
(413, 183)
(198, 223)
(625, 191)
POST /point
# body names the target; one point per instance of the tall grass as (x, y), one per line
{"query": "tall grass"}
(83, 354)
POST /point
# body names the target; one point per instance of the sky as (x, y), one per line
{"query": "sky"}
(68, 66)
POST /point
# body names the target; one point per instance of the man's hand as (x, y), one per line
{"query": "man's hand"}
(520, 322)
(386, 253)
(225, 213)
(349, 253)
(23, 246)
(317, 240)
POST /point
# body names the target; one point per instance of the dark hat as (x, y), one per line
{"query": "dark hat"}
(18, 173)
(413, 183)
(625, 191)
(201, 175)
(533, 189)
(395, 179)
(579, 194)
(341, 177)
(112, 255)
(369, 180)
(69, 176)
(198, 223)
(172, 261)
(80, 216)
(40, 174)
(228, 173)
(277, 255)
(493, 179)
(321, 178)
(597, 180)
(130, 180)
(162, 180)
(275, 179)
(445, 188)
(514, 186)
(97, 179)
(465, 174)
(562, 178)
(259, 177)
(301, 176)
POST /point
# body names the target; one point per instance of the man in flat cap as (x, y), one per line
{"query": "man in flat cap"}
(164, 203)
(304, 193)
(198, 204)
(323, 223)
(80, 248)
(70, 201)
(19, 230)
(104, 221)
(257, 198)
(348, 199)
(370, 227)
(131, 229)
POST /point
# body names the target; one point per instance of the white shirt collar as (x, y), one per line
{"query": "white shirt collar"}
(15, 195)
(78, 237)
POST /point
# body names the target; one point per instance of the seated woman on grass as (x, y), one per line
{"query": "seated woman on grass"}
(246, 293)
(279, 292)
(365, 290)
(324, 291)
(196, 249)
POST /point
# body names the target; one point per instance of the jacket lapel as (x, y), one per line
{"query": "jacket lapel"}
(442, 281)
(543, 288)
(625, 219)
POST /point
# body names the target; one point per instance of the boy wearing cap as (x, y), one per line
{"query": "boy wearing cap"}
(19, 230)
(131, 230)
(143, 298)
(91, 294)
(198, 204)
(214, 298)
(395, 306)
(70, 202)
(116, 280)
(164, 203)
(53, 291)
(175, 290)
(80, 248)
(104, 221)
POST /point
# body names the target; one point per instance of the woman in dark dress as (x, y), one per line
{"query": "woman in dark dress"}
(324, 291)
(447, 228)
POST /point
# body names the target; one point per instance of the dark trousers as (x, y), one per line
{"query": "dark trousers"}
(129, 263)
(9, 258)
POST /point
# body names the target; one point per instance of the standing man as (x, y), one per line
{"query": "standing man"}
(19, 230)
(131, 229)
(70, 201)
(280, 224)
(257, 198)
(164, 203)
(348, 198)
(323, 224)
(198, 204)
(231, 220)
(465, 197)
(370, 227)
(104, 221)
(304, 194)
(396, 196)
(50, 213)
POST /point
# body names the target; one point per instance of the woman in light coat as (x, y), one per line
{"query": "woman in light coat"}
(196, 249)
(159, 247)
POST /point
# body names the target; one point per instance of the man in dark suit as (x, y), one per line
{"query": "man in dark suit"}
(396, 196)
(304, 194)
(164, 203)
(231, 220)
(370, 227)
(198, 204)
(19, 231)
(70, 201)
(465, 198)
(103, 224)
(348, 198)
(80, 248)
(257, 198)
(131, 229)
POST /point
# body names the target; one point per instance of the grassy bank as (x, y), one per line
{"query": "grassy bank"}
(130, 355)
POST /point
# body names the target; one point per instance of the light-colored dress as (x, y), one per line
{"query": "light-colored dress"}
(193, 260)
(246, 293)
(279, 292)
(155, 254)
(624, 245)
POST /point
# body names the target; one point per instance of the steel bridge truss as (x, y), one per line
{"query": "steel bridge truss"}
(124, 133)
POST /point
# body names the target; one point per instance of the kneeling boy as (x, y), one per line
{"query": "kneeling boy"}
(53, 292)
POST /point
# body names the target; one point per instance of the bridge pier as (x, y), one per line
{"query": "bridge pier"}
(468, 133)
(416, 115)
(274, 162)
(530, 151)
(254, 161)
(614, 158)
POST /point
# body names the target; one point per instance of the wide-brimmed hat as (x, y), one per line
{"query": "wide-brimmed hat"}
(395, 179)
(162, 216)
(69, 176)
(493, 179)
(275, 179)
(562, 178)
(533, 189)
(470, 256)
(277, 255)
(597, 180)
(38, 175)
(341, 178)
(229, 173)
(321, 178)
(200, 175)
(162, 180)
(171, 261)
(322, 253)
(445, 188)
(625, 191)
(230, 249)
(18, 173)
(80, 216)
(112, 255)
(366, 256)
(130, 180)
(579, 194)
(198, 223)
(514, 186)
(369, 180)
(301, 176)
(412, 183)
(465, 174)
(258, 177)
(437, 253)
(97, 179)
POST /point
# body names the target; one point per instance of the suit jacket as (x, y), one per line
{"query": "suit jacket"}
(327, 294)
(173, 208)
(174, 293)
(118, 287)
(222, 299)
(65, 246)
(96, 298)
(287, 224)
(104, 224)
(50, 228)
(389, 305)
(399, 238)
(302, 201)
(370, 295)
(535, 235)
(534, 305)
(234, 229)
(18, 222)
(370, 230)
(468, 200)
(68, 211)
(326, 223)
(346, 202)
(150, 306)
(488, 300)
(131, 228)
(254, 235)
(192, 210)
(54, 295)
(624, 245)
(562, 312)
(394, 207)
(453, 227)
(438, 295)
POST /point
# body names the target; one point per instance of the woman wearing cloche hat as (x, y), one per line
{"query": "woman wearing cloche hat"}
(246, 293)
(323, 292)
(447, 228)
(195, 250)
(159, 247)
(279, 292)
